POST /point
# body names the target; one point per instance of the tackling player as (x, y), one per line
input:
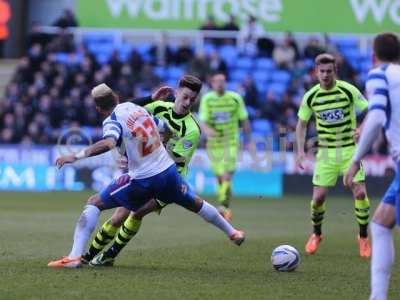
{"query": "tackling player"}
(181, 146)
(220, 113)
(383, 88)
(153, 173)
(333, 103)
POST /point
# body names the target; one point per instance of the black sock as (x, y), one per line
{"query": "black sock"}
(363, 231)
(317, 229)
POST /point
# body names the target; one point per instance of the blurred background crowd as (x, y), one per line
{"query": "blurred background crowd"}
(50, 88)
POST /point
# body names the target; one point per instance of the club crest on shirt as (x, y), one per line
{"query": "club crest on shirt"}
(187, 144)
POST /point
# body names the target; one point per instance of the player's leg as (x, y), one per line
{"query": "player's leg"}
(106, 233)
(382, 224)
(84, 228)
(179, 192)
(128, 230)
(325, 176)
(361, 210)
(317, 208)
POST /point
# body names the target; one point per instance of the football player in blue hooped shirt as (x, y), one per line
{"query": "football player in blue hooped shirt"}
(152, 173)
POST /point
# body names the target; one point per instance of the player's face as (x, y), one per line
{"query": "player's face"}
(218, 83)
(326, 75)
(184, 100)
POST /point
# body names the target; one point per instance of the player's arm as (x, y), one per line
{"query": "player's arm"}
(377, 91)
(100, 147)
(361, 104)
(164, 93)
(244, 118)
(205, 116)
(304, 115)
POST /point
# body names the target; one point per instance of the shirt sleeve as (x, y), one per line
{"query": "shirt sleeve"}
(150, 107)
(204, 113)
(359, 100)
(305, 111)
(243, 115)
(377, 90)
(112, 129)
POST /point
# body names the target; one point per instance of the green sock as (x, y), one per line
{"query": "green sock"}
(127, 231)
(224, 193)
(103, 237)
(317, 216)
(361, 210)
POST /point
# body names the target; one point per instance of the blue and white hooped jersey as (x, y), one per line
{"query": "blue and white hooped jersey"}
(134, 129)
(383, 91)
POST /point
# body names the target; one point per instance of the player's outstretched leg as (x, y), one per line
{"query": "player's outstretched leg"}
(127, 231)
(361, 210)
(106, 234)
(84, 228)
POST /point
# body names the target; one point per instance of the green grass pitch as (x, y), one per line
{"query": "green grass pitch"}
(179, 256)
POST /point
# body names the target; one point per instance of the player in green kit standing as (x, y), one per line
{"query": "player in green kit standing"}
(221, 113)
(333, 103)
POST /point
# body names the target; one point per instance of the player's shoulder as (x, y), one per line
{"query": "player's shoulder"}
(194, 124)
(309, 95)
(160, 106)
(234, 95)
(208, 95)
(346, 85)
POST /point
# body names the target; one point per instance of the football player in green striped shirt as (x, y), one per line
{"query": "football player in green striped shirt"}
(221, 113)
(181, 146)
(333, 103)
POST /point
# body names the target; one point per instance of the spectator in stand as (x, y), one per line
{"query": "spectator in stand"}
(209, 24)
(184, 53)
(313, 48)
(217, 65)
(199, 66)
(291, 41)
(250, 93)
(231, 25)
(148, 79)
(249, 35)
(329, 46)
(35, 36)
(284, 55)
(67, 19)
(345, 70)
(270, 108)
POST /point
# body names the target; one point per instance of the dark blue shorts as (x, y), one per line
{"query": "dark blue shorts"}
(392, 195)
(168, 186)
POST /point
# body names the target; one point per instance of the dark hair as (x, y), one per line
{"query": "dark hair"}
(191, 82)
(325, 58)
(387, 47)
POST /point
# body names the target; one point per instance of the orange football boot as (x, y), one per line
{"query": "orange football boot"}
(365, 247)
(313, 243)
(66, 262)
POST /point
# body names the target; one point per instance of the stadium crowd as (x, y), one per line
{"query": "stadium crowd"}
(51, 84)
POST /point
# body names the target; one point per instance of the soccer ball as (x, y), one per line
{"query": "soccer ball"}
(285, 258)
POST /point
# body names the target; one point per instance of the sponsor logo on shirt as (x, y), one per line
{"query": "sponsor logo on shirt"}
(332, 115)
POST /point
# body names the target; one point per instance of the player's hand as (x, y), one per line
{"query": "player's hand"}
(162, 93)
(357, 133)
(300, 158)
(123, 179)
(349, 176)
(66, 159)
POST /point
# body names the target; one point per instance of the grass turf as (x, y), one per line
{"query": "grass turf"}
(177, 255)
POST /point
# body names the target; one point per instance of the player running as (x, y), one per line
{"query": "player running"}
(220, 113)
(383, 89)
(333, 103)
(181, 146)
(153, 173)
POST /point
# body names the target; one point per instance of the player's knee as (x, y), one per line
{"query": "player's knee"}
(95, 200)
(359, 192)
(385, 215)
(319, 199)
(117, 220)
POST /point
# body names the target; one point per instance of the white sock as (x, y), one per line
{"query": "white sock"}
(84, 228)
(211, 215)
(382, 260)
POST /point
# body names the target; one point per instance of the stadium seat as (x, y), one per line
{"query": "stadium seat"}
(239, 75)
(143, 49)
(278, 88)
(265, 64)
(90, 38)
(208, 48)
(262, 76)
(244, 63)
(229, 54)
(174, 73)
(261, 126)
(281, 76)
(160, 72)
